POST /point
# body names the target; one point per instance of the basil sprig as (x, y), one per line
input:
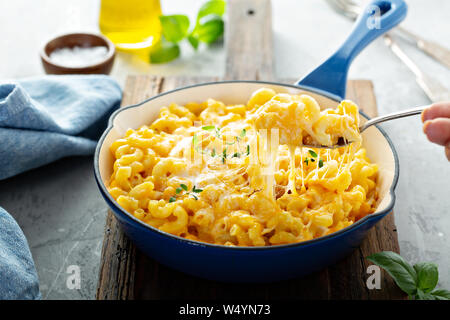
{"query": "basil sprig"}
(209, 27)
(418, 281)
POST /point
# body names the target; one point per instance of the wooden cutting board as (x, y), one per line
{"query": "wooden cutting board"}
(126, 273)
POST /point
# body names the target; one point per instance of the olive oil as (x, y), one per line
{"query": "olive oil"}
(132, 25)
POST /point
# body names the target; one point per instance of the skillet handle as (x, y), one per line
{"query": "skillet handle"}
(376, 19)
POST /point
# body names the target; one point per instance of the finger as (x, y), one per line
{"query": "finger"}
(438, 130)
(436, 110)
(447, 150)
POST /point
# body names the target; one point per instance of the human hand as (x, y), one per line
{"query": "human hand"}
(436, 124)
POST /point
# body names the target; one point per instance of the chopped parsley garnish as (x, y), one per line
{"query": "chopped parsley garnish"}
(185, 188)
(307, 160)
(196, 190)
(312, 153)
(194, 139)
(231, 143)
(224, 155)
(209, 128)
(218, 132)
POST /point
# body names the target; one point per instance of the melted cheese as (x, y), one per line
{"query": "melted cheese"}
(239, 174)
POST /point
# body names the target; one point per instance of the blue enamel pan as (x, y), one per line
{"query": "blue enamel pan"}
(263, 264)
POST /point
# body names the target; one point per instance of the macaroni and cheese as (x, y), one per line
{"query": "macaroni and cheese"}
(239, 175)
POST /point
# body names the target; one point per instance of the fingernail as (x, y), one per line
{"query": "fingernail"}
(425, 126)
(423, 116)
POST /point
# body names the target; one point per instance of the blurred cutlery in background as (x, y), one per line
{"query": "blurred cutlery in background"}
(433, 88)
(351, 10)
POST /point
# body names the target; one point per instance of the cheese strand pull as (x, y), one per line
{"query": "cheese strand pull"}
(291, 185)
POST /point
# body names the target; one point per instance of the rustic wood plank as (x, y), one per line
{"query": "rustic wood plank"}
(117, 266)
(248, 39)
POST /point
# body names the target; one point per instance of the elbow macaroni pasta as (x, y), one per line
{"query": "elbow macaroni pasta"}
(209, 172)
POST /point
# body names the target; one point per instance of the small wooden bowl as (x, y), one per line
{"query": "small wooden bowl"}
(78, 40)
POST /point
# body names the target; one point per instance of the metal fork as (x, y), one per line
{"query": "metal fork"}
(352, 10)
(371, 122)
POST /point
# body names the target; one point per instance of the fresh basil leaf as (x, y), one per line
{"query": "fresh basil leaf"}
(427, 276)
(401, 271)
(248, 149)
(320, 163)
(212, 7)
(243, 132)
(165, 52)
(441, 294)
(209, 29)
(184, 187)
(172, 199)
(193, 41)
(178, 190)
(420, 295)
(174, 27)
(197, 190)
(424, 295)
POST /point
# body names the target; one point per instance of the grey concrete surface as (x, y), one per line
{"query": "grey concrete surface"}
(63, 216)
(61, 211)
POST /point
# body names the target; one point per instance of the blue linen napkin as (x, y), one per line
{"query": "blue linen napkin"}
(47, 118)
(18, 277)
(42, 120)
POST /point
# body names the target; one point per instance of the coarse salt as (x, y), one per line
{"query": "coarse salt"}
(79, 57)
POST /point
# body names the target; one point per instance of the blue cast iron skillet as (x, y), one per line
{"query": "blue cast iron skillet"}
(259, 264)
